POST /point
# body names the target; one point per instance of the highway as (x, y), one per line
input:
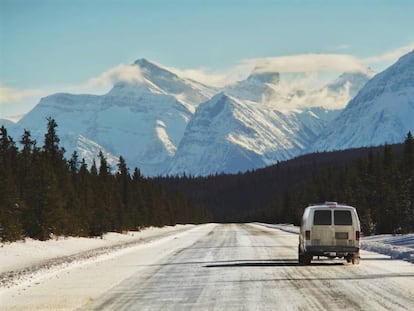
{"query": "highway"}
(250, 267)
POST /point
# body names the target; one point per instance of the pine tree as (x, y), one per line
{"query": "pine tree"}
(27, 154)
(137, 203)
(6, 143)
(103, 165)
(407, 184)
(408, 155)
(51, 143)
(84, 190)
(94, 169)
(368, 226)
(74, 163)
(105, 194)
(125, 213)
(10, 201)
(45, 183)
(389, 160)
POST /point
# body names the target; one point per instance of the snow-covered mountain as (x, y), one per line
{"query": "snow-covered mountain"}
(257, 122)
(351, 81)
(142, 121)
(187, 91)
(166, 124)
(290, 91)
(255, 88)
(231, 135)
(143, 126)
(7, 123)
(382, 111)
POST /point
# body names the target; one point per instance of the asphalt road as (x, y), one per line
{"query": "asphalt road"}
(250, 267)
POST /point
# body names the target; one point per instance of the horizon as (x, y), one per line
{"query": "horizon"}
(85, 46)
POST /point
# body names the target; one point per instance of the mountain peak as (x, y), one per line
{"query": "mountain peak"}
(257, 85)
(220, 96)
(151, 69)
(143, 62)
(219, 99)
(409, 57)
(355, 80)
(396, 79)
(223, 97)
(264, 77)
(381, 112)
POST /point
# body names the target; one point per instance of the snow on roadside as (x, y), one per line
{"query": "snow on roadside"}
(399, 246)
(22, 260)
(72, 284)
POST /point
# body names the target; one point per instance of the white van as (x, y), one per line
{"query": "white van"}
(331, 230)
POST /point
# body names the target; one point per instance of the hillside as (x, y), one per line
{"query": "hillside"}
(372, 179)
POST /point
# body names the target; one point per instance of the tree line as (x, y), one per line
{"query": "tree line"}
(378, 181)
(42, 194)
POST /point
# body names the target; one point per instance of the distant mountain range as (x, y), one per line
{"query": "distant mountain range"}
(382, 111)
(167, 125)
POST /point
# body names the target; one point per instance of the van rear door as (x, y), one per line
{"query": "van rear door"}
(322, 232)
(344, 228)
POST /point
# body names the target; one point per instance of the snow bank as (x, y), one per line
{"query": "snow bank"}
(68, 276)
(399, 246)
(32, 255)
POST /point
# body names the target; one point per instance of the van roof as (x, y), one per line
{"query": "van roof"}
(330, 205)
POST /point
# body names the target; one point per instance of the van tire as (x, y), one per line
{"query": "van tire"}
(307, 258)
(303, 257)
(300, 256)
(356, 259)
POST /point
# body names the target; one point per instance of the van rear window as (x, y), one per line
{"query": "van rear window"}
(343, 218)
(322, 218)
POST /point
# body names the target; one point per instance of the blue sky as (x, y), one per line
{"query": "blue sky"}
(52, 45)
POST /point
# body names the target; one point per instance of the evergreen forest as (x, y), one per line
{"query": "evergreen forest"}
(44, 194)
(377, 181)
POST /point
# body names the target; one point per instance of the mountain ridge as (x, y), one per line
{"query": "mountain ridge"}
(381, 112)
(165, 124)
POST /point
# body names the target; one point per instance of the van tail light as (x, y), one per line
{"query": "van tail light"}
(307, 235)
(357, 235)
